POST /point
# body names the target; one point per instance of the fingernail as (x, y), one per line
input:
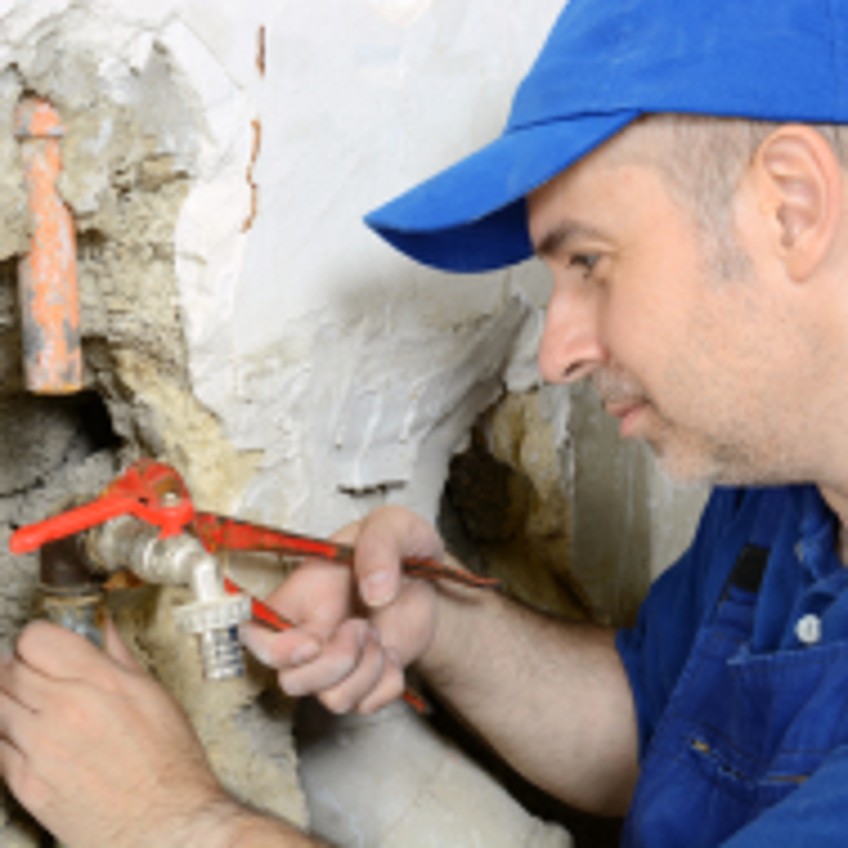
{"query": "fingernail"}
(377, 588)
(292, 689)
(255, 647)
(304, 653)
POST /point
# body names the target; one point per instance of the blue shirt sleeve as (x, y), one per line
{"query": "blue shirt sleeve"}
(655, 650)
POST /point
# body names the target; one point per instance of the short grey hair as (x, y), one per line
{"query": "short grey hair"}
(704, 157)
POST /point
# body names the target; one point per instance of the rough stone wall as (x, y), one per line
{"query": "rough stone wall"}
(133, 150)
(131, 133)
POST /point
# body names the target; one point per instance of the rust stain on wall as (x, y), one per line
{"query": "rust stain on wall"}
(256, 127)
(261, 53)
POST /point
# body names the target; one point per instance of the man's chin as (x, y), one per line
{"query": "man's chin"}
(690, 468)
(687, 468)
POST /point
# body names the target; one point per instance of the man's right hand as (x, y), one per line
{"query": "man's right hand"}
(356, 629)
(551, 696)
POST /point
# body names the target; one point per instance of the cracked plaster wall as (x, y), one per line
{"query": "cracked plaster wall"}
(241, 323)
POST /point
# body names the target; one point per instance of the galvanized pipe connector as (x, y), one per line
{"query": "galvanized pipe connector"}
(213, 617)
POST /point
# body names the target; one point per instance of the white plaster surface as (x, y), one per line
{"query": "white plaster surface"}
(354, 372)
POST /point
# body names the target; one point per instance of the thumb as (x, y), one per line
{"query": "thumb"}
(376, 558)
(386, 537)
(117, 649)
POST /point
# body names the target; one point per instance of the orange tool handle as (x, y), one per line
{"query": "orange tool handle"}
(220, 533)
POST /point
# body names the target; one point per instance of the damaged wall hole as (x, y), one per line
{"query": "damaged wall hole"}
(502, 520)
(505, 511)
(44, 435)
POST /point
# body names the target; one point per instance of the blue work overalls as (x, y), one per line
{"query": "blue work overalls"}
(744, 718)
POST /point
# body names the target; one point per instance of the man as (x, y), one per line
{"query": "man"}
(679, 167)
(697, 237)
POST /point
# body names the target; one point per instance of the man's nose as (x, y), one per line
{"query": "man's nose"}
(571, 348)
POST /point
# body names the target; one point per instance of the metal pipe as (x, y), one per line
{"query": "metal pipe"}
(70, 594)
(213, 616)
(47, 275)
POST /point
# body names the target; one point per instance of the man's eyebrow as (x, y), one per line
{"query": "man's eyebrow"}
(557, 239)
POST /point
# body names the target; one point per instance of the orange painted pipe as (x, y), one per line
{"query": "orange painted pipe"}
(47, 275)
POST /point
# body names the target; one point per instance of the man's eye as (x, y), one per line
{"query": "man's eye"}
(586, 262)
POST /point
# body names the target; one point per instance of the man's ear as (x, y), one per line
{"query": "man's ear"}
(800, 181)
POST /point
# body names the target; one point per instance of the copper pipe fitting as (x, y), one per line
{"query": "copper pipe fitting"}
(47, 275)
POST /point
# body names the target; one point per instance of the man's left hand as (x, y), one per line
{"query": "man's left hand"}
(95, 749)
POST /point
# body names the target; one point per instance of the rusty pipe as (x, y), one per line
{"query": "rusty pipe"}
(71, 594)
(47, 275)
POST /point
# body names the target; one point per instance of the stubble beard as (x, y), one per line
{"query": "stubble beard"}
(689, 459)
(683, 455)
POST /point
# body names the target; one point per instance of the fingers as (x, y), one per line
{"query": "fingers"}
(337, 660)
(15, 712)
(285, 649)
(18, 728)
(352, 668)
(12, 762)
(91, 761)
(22, 688)
(354, 671)
(388, 688)
(346, 672)
(332, 652)
(319, 595)
(16, 773)
(316, 597)
(55, 652)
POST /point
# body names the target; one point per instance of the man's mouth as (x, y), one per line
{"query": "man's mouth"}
(627, 412)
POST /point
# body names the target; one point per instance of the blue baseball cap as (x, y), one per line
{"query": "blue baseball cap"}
(605, 63)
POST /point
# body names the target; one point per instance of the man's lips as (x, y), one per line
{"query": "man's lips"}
(621, 408)
(626, 412)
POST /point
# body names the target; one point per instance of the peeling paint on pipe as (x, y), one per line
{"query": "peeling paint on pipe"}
(47, 275)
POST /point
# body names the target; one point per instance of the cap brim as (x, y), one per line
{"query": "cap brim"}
(472, 217)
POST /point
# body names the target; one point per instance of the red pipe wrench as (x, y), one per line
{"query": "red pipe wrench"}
(156, 494)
